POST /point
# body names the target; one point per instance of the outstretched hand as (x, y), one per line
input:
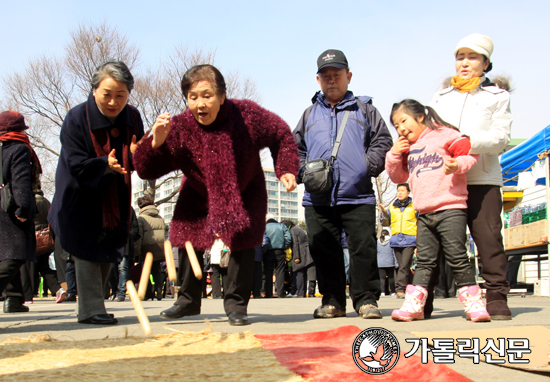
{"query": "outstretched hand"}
(113, 163)
(289, 181)
(134, 145)
(161, 129)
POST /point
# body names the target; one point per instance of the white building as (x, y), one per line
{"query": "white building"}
(280, 204)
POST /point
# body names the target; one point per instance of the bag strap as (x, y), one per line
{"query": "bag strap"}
(339, 137)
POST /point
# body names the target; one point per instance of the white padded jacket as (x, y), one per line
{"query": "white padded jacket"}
(482, 114)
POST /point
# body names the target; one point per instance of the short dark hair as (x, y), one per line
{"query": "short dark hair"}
(288, 223)
(145, 201)
(117, 70)
(406, 185)
(204, 72)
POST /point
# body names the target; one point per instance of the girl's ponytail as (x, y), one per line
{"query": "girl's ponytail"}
(431, 116)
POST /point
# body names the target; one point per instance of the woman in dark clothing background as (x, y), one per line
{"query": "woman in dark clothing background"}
(90, 211)
(21, 169)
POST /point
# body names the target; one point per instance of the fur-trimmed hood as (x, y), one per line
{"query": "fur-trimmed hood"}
(501, 81)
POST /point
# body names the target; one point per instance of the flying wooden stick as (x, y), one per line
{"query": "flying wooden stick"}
(170, 264)
(193, 260)
(138, 307)
(145, 273)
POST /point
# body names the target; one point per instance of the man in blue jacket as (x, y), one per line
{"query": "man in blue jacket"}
(279, 241)
(350, 203)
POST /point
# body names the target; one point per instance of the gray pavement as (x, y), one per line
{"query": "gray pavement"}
(280, 315)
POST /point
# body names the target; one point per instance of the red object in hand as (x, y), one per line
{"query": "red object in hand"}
(459, 147)
(404, 159)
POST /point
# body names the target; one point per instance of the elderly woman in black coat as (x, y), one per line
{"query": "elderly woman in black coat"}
(90, 210)
(20, 169)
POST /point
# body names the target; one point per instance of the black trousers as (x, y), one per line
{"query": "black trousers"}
(237, 289)
(218, 283)
(275, 259)
(258, 276)
(388, 272)
(484, 208)
(10, 279)
(325, 226)
(404, 256)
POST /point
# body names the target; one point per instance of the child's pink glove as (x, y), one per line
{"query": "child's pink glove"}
(459, 147)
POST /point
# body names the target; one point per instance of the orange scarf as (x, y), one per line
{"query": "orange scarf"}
(463, 85)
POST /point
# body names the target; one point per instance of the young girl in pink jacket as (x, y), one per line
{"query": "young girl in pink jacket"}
(434, 157)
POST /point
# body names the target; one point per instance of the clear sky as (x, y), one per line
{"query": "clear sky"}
(396, 49)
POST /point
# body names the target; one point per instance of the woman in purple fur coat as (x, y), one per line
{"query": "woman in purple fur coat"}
(216, 142)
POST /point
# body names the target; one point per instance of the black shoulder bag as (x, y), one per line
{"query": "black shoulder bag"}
(317, 176)
(7, 201)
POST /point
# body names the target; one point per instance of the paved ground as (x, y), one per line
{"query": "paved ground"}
(288, 315)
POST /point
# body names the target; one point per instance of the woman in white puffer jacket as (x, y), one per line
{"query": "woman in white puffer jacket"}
(480, 109)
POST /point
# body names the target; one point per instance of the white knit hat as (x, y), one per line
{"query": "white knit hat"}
(478, 43)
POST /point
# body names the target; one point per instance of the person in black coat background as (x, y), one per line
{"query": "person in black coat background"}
(90, 210)
(21, 169)
(301, 258)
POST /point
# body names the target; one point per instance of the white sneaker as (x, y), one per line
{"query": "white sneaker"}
(382, 294)
(61, 295)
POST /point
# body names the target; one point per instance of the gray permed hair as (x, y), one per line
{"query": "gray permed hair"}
(117, 70)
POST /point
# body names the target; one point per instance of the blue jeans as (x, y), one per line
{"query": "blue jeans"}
(70, 276)
(123, 271)
(445, 230)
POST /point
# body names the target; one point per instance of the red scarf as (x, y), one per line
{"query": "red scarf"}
(102, 147)
(22, 137)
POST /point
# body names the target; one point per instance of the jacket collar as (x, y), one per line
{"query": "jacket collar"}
(397, 203)
(349, 99)
(149, 210)
(99, 121)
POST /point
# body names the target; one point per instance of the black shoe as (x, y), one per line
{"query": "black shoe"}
(13, 305)
(177, 311)
(70, 298)
(159, 294)
(100, 319)
(237, 319)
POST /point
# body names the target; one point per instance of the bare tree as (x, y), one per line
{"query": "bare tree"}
(48, 87)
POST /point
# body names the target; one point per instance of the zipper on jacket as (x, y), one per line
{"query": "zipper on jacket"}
(462, 111)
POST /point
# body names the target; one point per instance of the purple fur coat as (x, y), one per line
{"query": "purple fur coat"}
(223, 191)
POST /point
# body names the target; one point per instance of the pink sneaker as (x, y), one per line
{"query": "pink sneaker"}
(61, 295)
(413, 307)
(471, 298)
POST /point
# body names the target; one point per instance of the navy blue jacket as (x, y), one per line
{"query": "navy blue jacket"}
(80, 181)
(362, 151)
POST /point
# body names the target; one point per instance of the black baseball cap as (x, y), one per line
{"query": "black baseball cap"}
(332, 57)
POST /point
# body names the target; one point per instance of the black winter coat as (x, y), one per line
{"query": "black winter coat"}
(81, 179)
(300, 249)
(17, 239)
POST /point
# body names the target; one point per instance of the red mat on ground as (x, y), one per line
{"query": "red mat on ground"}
(327, 356)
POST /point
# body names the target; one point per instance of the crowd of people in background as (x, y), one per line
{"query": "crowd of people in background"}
(446, 155)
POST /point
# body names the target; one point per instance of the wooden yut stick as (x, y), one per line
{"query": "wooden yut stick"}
(145, 273)
(193, 260)
(170, 264)
(138, 307)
